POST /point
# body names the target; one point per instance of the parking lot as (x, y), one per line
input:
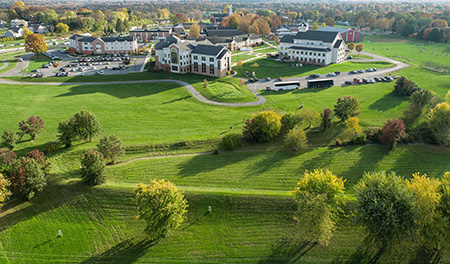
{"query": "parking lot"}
(68, 65)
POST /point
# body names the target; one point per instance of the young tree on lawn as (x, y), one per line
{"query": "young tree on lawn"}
(439, 123)
(93, 169)
(41, 160)
(162, 206)
(26, 32)
(239, 63)
(319, 196)
(35, 43)
(296, 139)
(420, 104)
(431, 223)
(289, 121)
(9, 138)
(315, 26)
(262, 127)
(392, 132)
(351, 46)
(87, 125)
(194, 31)
(26, 177)
(404, 87)
(72, 50)
(7, 157)
(347, 107)
(359, 48)
(325, 118)
(67, 132)
(353, 126)
(62, 28)
(5, 193)
(111, 147)
(309, 116)
(385, 208)
(33, 126)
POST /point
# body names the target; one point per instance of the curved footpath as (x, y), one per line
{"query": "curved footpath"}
(338, 80)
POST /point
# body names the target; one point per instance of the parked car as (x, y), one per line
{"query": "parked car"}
(389, 78)
(352, 72)
(337, 72)
(331, 74)
(371, 81)
(377, 79)
(268, 79)
(369, 70)
(348, 82)
(358, 81)
(313, 76)
(19, 60)
(280, 79)
(360, 71)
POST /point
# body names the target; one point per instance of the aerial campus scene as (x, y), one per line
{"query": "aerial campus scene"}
(145, 131)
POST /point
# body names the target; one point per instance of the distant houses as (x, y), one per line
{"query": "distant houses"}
(103, 45)
(232, 38)
(292, 29)
(189, 56)
(313, 47)
(14, 32)
(16, 29)
(151, 33)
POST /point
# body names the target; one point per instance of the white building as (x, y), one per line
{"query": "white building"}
(198, 57)
(14, 32)
(313, 47)
(103, 45)
(18, 23)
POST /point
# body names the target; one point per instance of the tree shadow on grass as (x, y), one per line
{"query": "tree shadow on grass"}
(426, 257)
(287, 251)
(55, 195)
(121, 91)
(207, 163)
(387, 102)
(128, 251)
(364, 254)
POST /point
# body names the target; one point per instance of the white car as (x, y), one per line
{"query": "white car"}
(331, 74)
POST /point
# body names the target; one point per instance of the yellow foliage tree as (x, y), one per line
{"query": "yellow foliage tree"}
(353, 125)
(5, 193)
(315, 25)
(194, 31)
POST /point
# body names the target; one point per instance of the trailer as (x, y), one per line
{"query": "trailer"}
(320, 83)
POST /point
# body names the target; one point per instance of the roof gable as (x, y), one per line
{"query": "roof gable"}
(317, 35)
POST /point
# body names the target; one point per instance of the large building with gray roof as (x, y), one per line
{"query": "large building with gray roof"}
(184, 56)
(313, 47)
(103, 45)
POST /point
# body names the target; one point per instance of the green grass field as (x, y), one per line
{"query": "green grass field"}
(241, 57)
(36, 62)
(252, 212)
(11, 58)
(274, 69)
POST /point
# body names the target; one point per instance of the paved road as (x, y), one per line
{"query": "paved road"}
(19, 66)
(338, 80)
(344, 76)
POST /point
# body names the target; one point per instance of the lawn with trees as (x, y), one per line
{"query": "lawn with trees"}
(254, 216)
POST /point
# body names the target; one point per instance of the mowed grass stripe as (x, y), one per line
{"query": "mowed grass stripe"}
(280, 170)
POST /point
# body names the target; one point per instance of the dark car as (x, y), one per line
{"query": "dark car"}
(34, 71)
(337, 72)
(389, 78)
(357, 80)
(377, 79)
(352, 72)
(348, 82)
(313, 76)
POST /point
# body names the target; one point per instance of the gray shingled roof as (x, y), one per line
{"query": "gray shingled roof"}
(76, 36)
(317, 35)
(223, 32)
(324, 49)
(222, 54)
(208, 50)
(338, 43)
(287, 39)
(113, 39)
(150, 30)
(333, 29)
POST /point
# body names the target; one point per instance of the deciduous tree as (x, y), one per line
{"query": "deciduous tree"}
(194, 31)
(347, 107)
(27, 177)
(296, 139)
(111, 147)
(33, 126)
(62, 28)
(439, 123)
(5, 193)
(9, 138)
(309, 116)
(35, 43)
(319, 196)
(262, 127)
(93, 169)
(289, 121)
(404, 87)
(162, 206)
(359, 48)
(392, 132)
(325, 118)
(351, 46)
(385, 209)
(86, 125)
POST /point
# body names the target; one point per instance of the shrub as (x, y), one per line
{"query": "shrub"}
(289, 121)
(392, 132)
(347, 107)
(404, 87)
(33, 126)
(372, 134)
(325, 118)
(93, 169)
(111, 147)
(262, 127)
(296, 139)
(231, 141)
(5, 193)
(162, 206)
(6, 157)
(41, 159)
(51, 147)
(9, 138)
(27, 177)
(309, 116)
(439, 123)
